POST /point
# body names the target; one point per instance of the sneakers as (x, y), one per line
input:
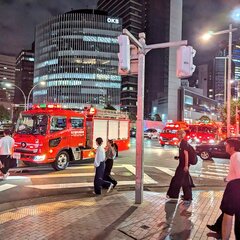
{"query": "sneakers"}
(110, 187)
(5, 176)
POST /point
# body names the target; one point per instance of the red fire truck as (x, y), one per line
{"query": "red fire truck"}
(203, 133)
(51, 134)
(168, 136)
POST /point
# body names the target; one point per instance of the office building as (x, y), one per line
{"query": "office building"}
(76, 54)
(7, 75)
(24, 75)
(162, 22)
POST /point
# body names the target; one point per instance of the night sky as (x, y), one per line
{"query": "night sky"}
(18, 19)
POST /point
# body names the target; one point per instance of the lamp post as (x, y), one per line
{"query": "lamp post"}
(29, 94)
(208, 36)
(24, 95)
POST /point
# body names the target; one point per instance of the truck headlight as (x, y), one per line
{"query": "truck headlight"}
(211, 141)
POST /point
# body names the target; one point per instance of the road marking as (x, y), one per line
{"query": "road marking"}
(210, 173)
(116, 165)
(6, 187)
(166, 170)
(73, 185)
(147, 179)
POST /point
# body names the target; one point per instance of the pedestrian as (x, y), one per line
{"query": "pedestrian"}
(110, 156)
(232, 148)
(230, 207)
(6, 151)
(182, 178)
(99, 163)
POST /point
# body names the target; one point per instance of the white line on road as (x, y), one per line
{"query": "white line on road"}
(166, 170)
(147, 179)
(6, 187)
(74, 185)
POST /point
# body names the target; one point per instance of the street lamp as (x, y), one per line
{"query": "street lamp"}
(43, 83)
(24, 95)
(26, 99)
(208, 36)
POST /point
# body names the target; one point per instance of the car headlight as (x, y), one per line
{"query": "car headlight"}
(160, 137)
(39, 158)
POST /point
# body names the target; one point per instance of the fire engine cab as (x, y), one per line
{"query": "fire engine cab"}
(169, 134)
(51, 134)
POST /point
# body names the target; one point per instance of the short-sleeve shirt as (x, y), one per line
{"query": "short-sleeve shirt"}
(6, 145)
(231, 199)
(183, 146)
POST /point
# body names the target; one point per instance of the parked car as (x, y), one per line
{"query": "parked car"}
(151, 133)
(207, 151)
(133, 132)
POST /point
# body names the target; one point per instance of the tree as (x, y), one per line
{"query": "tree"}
(132, 117)
(109, 107)
(4, 113)
(157, 117)
(223, 112)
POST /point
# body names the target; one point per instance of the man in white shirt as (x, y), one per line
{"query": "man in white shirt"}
(233, 148)
(6, 150)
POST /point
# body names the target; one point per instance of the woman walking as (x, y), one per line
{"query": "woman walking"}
(99, 163)
(110, 155)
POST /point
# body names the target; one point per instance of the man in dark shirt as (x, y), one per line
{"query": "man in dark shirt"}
(182, 177)
(230, 207)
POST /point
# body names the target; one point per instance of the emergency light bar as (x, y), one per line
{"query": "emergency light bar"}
(44, 105)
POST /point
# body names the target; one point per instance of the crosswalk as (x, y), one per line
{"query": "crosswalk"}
(45, 178)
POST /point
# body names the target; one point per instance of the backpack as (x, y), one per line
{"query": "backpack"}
(192, 155)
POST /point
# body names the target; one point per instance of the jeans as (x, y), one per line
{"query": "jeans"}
(5, 159)
(107, 172)
(98, 179)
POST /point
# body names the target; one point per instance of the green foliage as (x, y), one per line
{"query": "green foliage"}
(4, 113)
(157, 117)
(223, 112)
(109, 107)
(132, 117)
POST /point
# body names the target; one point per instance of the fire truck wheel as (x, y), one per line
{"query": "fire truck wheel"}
(162, 145)
(205, 155)
(61, 161)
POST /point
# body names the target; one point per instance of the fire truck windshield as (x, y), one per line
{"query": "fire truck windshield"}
(32, 124)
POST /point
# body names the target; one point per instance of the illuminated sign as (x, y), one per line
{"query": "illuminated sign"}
(113, 20)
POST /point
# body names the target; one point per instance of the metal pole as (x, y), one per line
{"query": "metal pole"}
(225, 81)
(237, 122)
(229, 80)
(28, 98)
(24, 95)
(140, 113)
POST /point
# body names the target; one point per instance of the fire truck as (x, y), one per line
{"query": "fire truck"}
(50, 134)
(168, 136)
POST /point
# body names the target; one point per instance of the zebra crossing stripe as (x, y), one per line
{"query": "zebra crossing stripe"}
(210, 173)
(147, 179)
(166, 170)
(73, 185)
(6, 187)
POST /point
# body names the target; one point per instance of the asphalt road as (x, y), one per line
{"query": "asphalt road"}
(159, 167)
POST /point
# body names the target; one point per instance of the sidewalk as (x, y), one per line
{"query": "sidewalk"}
(114, 216)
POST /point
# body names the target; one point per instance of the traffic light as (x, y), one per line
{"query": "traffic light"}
(124, 54)
(185, 67)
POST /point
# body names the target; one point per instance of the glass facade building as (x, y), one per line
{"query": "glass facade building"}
(76, 54)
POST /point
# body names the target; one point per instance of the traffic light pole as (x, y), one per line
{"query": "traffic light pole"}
(143, 49)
